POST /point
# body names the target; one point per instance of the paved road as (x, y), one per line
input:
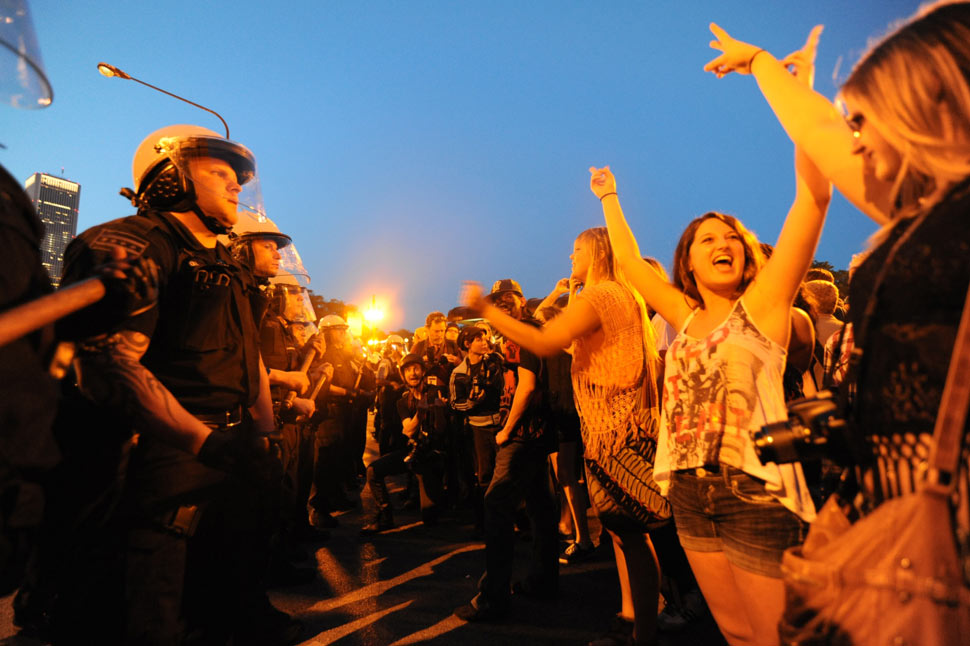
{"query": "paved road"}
(401, 586)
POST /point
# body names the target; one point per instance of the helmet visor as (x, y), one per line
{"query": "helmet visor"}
(23, 82)
(222, 173)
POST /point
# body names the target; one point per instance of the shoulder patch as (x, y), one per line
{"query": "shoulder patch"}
(108, 239)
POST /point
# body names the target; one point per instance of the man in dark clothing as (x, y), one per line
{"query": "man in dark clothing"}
(423, 412)
(521, 473)
(188, 377)
(476, 389)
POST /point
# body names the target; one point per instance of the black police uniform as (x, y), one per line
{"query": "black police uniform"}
(195, 535)
(281, 351)
(333, 463)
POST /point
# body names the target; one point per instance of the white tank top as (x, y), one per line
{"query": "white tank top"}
(718, 390)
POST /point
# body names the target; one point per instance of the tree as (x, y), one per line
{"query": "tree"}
(323, 307)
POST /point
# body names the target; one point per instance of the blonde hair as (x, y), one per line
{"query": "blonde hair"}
(604, 266)
(913, 87)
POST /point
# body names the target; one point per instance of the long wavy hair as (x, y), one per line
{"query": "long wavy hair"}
(603, 266)
(913, 87)
(754, 258)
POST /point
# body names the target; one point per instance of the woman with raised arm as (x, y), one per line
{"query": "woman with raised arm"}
(903, 157)
(614, 386)
(723, 381)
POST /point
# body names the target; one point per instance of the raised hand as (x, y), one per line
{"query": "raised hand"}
(601, 181)
(471, 296)
(801, 63)
(736, 56)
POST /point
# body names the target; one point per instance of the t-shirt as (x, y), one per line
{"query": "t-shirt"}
(531, 424)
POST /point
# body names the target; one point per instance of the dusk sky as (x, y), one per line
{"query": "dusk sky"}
(407, 146)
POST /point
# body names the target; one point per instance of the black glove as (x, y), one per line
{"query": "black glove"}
(136, 292)
(234, 451)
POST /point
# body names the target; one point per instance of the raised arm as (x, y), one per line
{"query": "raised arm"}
(578, 319)
(811, 121)
(659, 295)
(771, 294)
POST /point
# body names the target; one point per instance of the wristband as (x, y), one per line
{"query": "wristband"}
(607, 195)
(754, 56)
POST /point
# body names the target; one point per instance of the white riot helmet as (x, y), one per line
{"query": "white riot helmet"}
(332, 322)
(162, 172)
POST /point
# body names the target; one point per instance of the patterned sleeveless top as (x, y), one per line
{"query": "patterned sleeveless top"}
(607, 371)
(718, 390)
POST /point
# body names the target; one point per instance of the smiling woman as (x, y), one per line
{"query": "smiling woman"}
(723, 380)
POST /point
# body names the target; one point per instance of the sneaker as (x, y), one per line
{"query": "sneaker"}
(692, 610)
(620, 633)
(480, 610)
(576, 552)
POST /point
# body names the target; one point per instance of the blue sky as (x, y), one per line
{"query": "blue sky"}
(406, 146)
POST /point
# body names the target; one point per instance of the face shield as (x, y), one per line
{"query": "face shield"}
(290, 261)
(23, 82)
(221, 172)
(297, 307)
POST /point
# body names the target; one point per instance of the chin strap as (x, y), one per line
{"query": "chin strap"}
(211, 223)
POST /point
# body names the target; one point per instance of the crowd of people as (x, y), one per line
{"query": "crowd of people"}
(231, 427)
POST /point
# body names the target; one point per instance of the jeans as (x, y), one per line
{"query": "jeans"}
(521, 472)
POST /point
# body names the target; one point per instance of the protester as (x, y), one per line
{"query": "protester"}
(520, 473)
(722, 381)
(615, 390)
(901, 158)
(476, 387)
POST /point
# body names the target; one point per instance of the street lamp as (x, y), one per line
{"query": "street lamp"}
(113, 72)
(373, 314)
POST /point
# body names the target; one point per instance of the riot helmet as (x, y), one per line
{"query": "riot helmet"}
(250, 229)
(189, 168)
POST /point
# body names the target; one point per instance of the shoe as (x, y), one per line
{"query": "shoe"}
(269, 626)
(381, 522)
(526, 589)
(311, 534)
(322, 520)
(692, 610)
(480, 610)
(620, 633)
(576, 552)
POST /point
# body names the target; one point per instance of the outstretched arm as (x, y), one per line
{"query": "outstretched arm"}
(658, 294)
(811, 121)
(578, 319)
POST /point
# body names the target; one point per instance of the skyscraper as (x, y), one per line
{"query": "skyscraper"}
(56, 201)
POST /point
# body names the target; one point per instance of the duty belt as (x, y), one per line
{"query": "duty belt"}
(222, 419)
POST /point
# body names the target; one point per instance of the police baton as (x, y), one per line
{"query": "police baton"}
(310, 356)
(27, 318)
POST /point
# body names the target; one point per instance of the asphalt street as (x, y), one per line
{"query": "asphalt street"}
(401, 586)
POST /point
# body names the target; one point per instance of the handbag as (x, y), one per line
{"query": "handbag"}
(622, 489)
(894, 577)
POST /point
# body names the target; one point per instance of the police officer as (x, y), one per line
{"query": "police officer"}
(283, 301)
(189, 378)
(333, 464)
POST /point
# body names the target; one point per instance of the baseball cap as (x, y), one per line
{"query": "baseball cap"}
(503, 286)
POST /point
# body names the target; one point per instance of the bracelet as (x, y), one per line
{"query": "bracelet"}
(607, 195)
(754, 56)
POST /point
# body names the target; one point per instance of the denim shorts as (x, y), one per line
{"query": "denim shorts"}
(731, 512)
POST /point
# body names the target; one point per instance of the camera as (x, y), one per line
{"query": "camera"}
(814, 430)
